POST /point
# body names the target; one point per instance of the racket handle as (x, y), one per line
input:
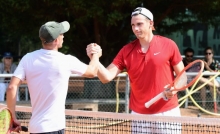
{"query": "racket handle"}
(153, 100)
(23, 128)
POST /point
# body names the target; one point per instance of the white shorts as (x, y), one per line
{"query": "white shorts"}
(158, 127)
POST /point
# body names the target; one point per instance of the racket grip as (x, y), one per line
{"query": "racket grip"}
(23, 128)
(153, 100)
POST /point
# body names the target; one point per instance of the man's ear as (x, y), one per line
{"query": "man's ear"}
(152, 25)
(56, 40)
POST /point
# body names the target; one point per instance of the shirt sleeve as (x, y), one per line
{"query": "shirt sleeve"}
(119, 60)
(176, 56)
(76, 66)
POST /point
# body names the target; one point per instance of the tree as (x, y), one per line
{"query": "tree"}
(106, 22)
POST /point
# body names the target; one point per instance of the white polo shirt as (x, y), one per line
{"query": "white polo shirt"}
(47, 74)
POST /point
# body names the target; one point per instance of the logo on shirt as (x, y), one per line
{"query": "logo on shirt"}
(156, 53)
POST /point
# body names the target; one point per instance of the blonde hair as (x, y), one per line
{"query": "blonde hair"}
(4, 59)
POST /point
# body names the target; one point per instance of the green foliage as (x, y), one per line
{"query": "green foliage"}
(106, 22)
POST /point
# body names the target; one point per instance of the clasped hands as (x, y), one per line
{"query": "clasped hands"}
(93, 48)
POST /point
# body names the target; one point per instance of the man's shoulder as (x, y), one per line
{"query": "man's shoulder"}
(160, 41)
(14, 64)
(162, 38)
(131, 44)
(69, 56)
(31, 53)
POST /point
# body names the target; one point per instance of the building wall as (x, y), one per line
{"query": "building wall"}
(198, 38)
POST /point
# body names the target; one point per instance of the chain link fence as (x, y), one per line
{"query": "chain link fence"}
(85, 94)
(90, 94)
(205, 96)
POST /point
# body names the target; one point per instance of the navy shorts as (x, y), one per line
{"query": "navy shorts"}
(54, 132)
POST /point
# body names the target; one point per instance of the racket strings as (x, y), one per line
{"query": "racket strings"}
(182, 81)
(193, 70)
(5, 118)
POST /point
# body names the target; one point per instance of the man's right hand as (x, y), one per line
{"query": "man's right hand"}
(168, 93)
(16, 126)
(93, 48)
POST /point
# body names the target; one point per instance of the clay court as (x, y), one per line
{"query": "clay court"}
(193, 111)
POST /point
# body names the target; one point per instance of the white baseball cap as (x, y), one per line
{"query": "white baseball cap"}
(145, 12)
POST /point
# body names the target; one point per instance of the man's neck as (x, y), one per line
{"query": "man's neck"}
(50, 47)
(145, 42)
(209, 61)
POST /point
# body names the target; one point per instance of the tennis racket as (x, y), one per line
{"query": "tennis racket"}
(182, 81)
(7, 124)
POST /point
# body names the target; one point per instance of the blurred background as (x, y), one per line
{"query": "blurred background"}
(190, 23)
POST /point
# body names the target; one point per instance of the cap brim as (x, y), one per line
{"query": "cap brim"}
(66, 26)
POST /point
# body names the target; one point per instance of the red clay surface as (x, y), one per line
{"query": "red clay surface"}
(193, 111)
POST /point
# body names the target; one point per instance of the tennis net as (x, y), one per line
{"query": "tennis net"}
(90, 122)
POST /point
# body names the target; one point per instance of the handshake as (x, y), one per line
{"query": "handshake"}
(92, 49)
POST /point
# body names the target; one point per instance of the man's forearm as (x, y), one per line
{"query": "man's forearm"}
(93, 66)
(11, 100)
(104, 74)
